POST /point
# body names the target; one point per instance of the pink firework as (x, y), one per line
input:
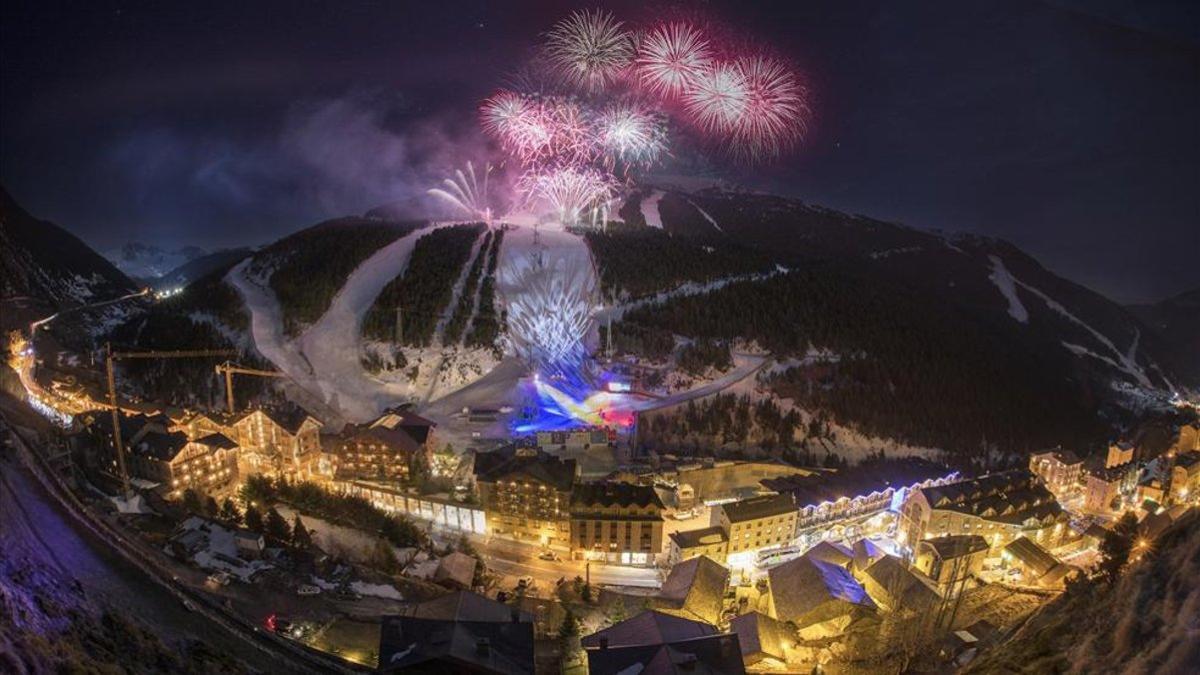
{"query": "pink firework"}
(590, 49)
(671, 57)
(717, 98)
(775, 112)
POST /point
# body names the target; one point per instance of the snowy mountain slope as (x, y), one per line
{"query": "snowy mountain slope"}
(148, 263)
(44, 261)
(197, 268)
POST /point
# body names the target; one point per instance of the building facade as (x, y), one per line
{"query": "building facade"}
(753, 524)
(526, 494)
(951, 559)
(616, 523)
(998, 507)
(1059, 469)
(278, 443)
(207, 465)
(1185, 477)
(710, 541)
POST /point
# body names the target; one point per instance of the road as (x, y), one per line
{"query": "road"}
(517, 559)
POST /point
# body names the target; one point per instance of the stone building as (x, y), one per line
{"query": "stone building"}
(687, 544)
(754, 524)
(951, 559)
(278, 442)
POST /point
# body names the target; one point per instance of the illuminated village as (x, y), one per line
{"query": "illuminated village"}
(591, 410)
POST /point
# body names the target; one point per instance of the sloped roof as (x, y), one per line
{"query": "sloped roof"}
(906, 588)
(702, 537)
(865, 553)
(696, 588)
(608, 494)
(760, 635)
(457, 567)
(799, 586)
(758, 507)
(218, 440)
(829, 486)
(466, 606)
(397, 438)
(651, 627)
(956, 545)
(712, 655)
(1008, 497)
(509, 463)
(831, 553)
(1036, 558)
(409, 643)
(160, 446)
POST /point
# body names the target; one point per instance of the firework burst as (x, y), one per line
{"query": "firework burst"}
(630, 136)
(590, 48)
(774, 115)
(467, 192)
(671, 57)
(717, 98)
(575, 194)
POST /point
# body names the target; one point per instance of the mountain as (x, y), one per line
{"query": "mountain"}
(42, 260)
(148, 263)
(1176, 321)
(199, 267)
(938, 340)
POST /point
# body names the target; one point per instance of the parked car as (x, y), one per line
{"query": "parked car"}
(219, 578)
(684, 515)
(189, 606)
(307, 589)
(525, 582)
(549, 555)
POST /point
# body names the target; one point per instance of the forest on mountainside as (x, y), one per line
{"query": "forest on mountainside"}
(487, 326)
(312, 265)
(909, 370)
(424, 290)
(457, 324)
(639, 261)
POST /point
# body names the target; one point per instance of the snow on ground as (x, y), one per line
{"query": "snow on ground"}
(1005, 282)
(386, 591)
(476, 250)
(650, 209)
(617, 312)
(331, 345)
(706, 216)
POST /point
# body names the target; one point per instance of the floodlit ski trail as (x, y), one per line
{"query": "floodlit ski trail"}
(618, 311)
(332, 344)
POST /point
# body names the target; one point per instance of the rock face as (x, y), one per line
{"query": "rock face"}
(41, 260)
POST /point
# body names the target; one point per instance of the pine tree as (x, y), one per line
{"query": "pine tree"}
(210, 507)
(229, 512)
(1116, 546)
(301, 538)
(276, 527)
(191, 501)
(569, 627)
(254, 519)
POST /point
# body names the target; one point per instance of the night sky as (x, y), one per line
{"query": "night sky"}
(1069, 128)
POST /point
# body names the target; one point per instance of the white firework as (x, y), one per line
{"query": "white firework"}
(467, 192)
(573, 193)
(718, 98)
(630, 135)
(590, 49)
(671, 57)
(552, 315)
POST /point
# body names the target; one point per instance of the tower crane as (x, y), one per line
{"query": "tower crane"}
(229, 368)
(110, 358)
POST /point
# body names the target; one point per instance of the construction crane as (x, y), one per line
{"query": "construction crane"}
(112, 391)
(229, 368)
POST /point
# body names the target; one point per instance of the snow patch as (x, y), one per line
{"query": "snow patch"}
(1007, 285)
(706, 216)
(650, 209)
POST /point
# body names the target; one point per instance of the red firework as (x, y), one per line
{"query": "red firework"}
(774, 114)
(671, 57)
(717, 98)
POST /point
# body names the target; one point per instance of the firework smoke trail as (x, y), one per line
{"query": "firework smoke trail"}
(717, 98)
(671, 57)
(775, 112)
(466, 192)
(590, 48)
